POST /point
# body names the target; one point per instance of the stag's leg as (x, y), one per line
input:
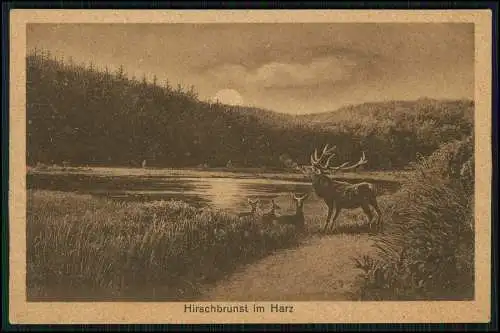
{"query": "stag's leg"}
(330, 211)
(368, 213)
(335, 216)
(380, 224)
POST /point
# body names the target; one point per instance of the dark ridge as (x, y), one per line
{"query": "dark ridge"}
(83, 115)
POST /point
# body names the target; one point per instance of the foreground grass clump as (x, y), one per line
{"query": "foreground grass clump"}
(81, 247)
(427, 249)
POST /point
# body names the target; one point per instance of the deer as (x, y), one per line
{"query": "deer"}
(341, 195)
(271, 215)
(296, 219)
(253, 204)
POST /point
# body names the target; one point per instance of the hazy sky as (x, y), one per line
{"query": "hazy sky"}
(293, 68)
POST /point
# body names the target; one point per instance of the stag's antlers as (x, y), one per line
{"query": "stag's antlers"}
(300, 197)
(315, 160)
(344, 166)
(329, 153)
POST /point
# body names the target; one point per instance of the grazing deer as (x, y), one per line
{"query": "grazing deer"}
(340, 195)
(296, 219)
(270, 216)
(253, 211)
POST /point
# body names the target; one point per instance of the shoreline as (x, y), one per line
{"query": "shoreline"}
(239, 173)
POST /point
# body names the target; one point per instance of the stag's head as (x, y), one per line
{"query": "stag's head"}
(321, 164)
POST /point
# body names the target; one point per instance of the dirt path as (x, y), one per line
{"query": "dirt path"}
(321, 269)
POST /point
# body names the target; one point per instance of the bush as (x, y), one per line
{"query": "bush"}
(85, 247)
(427, 250)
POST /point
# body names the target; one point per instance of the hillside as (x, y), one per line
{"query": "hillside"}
(414, 115)
(403, 127)
(84, 115)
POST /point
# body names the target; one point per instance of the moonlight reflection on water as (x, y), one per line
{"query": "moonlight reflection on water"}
(228, 193)
(231, 194)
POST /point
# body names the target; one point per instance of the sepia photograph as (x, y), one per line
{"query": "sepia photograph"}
(230, 164)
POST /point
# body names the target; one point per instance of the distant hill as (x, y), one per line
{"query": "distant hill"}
(85, 115)
(424, 109)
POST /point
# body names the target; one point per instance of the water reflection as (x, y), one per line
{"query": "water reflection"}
(226, 193)
(232, 194)
(223, 193)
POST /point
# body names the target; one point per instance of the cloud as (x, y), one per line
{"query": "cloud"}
(279, 74)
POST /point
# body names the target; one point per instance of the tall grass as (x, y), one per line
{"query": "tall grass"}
(81, 247)
(427, 249)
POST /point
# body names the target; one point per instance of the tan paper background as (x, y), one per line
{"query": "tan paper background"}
(23, 312)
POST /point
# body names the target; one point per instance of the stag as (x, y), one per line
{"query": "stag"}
(340, 195)
(296, 219)
(253, 204)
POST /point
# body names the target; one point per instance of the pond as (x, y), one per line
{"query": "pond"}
(225, 192)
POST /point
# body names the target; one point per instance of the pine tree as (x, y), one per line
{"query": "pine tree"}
(120, 73)
(167, 85)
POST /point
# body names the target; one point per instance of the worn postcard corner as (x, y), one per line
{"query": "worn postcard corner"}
(250, 166)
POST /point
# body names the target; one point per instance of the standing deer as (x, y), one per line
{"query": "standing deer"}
(296, 219)
(271, 215)
(340, 195)
(253, 211)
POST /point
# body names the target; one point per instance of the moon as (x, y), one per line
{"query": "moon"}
(228, 96)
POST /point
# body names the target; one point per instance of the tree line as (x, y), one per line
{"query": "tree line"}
(91, 116)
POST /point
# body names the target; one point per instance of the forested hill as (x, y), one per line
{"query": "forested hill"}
(423, 113)
(85, 115)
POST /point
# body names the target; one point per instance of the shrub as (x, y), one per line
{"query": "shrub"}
(427, 250)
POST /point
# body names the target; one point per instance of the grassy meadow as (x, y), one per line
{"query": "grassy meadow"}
(81, 247)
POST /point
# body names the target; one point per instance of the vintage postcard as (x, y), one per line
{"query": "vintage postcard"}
(221, 166)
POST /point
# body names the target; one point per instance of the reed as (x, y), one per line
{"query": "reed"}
(427, 251)
(83, 247)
